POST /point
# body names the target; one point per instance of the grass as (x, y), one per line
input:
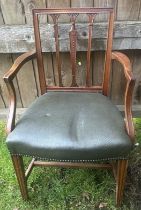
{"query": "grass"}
(66, 189)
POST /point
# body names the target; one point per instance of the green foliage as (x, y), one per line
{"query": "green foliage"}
(57, 188)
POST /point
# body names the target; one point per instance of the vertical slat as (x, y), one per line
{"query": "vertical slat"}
(98, 67)
(59, 4)
(39, 54)
(137, 74)
(73, 43)
(81, 63)
(65, 69)
(1, 17)
(31, 4)
(128, 9)
(82, 3)
(117, 83)
(13, 11)
(104, 3)
(58, 59)
(26, 82)
(5, 64)
(2, 102)
(108, 55)
(48, 68)
(88, 76)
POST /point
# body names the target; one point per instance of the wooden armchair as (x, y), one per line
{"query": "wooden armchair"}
(72, 126)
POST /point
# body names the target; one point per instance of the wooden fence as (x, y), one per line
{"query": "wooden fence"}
(16, 36)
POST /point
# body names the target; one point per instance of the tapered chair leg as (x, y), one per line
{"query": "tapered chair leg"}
(121, 175)
(20, 173)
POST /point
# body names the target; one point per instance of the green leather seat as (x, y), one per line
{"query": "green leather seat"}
(70, 126)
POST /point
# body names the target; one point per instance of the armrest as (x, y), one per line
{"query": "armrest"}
(8, 78)
(18, 63)
(124, 60)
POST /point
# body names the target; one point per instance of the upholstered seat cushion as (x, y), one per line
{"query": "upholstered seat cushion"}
(71, 126)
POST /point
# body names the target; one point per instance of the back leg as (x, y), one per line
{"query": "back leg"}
(121, 176)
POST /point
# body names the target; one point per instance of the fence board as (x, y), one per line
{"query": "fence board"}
(98, 66)
(104, 3)
(119, 81)
(137, 75)
(31, 4)
(59, 4)
(1, 17)
(49, 69)
(13, 11)
(82, 3)
(27, 85)
(128, 9)
(5, 64)
(65, 69)
(81, 68)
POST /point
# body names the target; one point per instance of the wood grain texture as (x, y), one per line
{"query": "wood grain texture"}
(20, 38)
(104, 3)
(65, 69)
(137, 74)
(49, 69)
(98, 67)
(5, 64)
(2, 103)
(1, 16)
(128, 9)
(31, 4)
(118, 81)
(27, 85)
(13, 12)
(59, 4)
(81, 68)
(82, 3)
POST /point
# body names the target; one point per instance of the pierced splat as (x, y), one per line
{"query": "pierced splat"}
(55, 18)
(73, 38)
(73, 44)
(91, 20)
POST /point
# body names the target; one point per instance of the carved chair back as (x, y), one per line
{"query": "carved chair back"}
(73, 36)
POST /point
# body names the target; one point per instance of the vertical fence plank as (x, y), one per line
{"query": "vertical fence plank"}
(98, 67)
(104, 3)
(137, 75)
(117, 83)
(59, 4)
(82, 3)
(66, 71)
(49, 71)
(5, 64)
(27, 85)
(13, 11)
(31, 4)
(2, 102)
(81, 68)
(118, 80)
(1, 17)
(128, 9)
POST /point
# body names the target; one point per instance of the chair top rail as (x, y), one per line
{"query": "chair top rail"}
(89, 10)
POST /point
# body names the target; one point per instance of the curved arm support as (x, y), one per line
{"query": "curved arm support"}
(124, 60)
(8, 78)
(18, 63)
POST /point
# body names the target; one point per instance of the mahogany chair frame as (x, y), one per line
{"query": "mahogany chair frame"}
(119, 167)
